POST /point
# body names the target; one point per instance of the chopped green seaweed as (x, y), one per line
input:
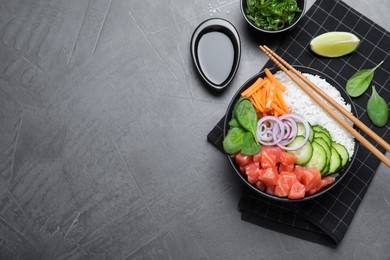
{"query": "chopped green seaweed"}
(271, 14)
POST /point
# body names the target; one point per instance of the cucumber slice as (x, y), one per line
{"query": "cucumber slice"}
(323, 136)
(343, 153)
(324, 145)
(311, 137)
(335, 161)
(318, 128)
(318, 158)
(302, 131)
(304, 153)
(325, 171)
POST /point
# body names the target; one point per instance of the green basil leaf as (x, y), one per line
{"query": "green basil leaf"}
(377, 109)
(233, 141)
(250, 145)
(360, 81)
(234, 123)
(246, 116)
(236, 105)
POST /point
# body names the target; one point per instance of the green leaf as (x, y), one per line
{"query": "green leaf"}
(360, 81)
(234, 140)
(250, 145)
(237, 104)
(234, 123)
(246, 116)
(242, 135)
(377, 109)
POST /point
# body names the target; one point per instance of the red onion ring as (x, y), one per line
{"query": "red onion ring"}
(281, 131)
(272, 135)
(296, 118)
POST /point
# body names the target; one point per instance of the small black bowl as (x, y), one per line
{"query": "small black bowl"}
(242, 175)
(228, 32)
(301, 4)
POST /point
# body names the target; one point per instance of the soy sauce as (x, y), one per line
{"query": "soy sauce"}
(216, 56)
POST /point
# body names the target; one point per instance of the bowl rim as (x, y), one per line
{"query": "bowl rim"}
(241, 175)
(284, 29)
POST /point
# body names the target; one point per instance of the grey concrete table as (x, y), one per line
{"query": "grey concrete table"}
(103, 151)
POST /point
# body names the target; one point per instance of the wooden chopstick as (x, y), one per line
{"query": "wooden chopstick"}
(340, 108)
(298, 78)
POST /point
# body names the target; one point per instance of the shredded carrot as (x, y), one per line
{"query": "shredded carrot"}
(278, 109)
(255, 103)
(281, 101)
(273, 79)
(266, 95)
(253, 88)
(257, 98)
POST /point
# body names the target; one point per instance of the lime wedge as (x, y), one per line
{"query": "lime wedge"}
(334, 44)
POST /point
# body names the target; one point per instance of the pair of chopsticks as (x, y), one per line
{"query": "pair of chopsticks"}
(310, 88)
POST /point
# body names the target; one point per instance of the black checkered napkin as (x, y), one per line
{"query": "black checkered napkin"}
(326, 219)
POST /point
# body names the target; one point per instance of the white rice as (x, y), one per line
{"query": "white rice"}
(300, 103)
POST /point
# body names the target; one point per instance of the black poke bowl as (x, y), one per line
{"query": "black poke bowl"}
(339, 175)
